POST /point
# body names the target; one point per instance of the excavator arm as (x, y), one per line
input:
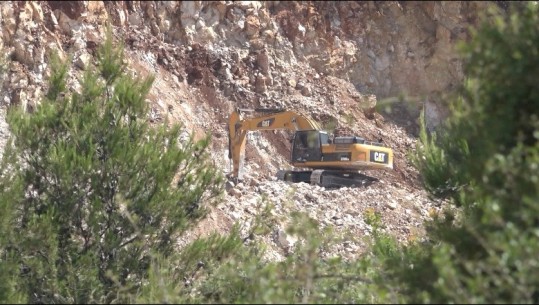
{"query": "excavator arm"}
(275, 119)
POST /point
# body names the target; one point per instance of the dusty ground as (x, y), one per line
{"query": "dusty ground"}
(327, 60)
(397, 196)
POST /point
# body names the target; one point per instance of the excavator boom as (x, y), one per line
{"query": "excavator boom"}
(273, 120)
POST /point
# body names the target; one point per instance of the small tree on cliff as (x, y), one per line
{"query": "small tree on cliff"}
(94, 189)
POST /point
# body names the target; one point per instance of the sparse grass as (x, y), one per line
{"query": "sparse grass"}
(330, 125)
(372, 218)
(349, 119)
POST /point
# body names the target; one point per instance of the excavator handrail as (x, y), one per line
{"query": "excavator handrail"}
(262, 110)
(270, 110)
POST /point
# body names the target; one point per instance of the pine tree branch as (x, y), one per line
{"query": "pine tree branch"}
(127, 242)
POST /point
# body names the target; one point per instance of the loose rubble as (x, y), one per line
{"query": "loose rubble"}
(337, 62)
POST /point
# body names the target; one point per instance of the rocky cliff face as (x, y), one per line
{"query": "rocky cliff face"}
(330, 60)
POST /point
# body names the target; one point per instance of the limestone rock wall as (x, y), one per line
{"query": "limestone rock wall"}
(333, 61)
(382, 48)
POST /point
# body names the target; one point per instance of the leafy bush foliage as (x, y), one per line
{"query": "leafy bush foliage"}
(486, 162)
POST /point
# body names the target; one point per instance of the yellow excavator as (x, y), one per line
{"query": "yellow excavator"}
(318, 158)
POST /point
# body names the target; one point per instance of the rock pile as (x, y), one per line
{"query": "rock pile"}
(334, 61)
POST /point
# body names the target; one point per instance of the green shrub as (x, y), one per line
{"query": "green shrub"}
(94, 190)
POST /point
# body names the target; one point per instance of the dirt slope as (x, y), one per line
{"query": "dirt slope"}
(333, 61)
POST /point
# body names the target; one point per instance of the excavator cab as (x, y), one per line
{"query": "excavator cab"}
(307, 145)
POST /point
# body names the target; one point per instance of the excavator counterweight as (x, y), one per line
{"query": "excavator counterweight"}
(323, 161)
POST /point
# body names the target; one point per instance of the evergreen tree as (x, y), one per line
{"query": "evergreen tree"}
(93, 191)
(8, 291)
(487, 163)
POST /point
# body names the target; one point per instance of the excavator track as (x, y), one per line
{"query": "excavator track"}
(331, 178)
(316, 177)
(326, 178)
(294, 176)
(283, 175)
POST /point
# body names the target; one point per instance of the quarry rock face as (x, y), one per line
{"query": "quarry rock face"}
(338, 62)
